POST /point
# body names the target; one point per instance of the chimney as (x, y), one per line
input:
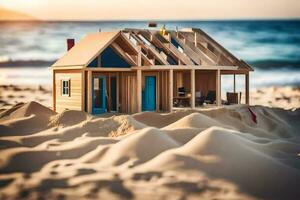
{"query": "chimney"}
(70, 43)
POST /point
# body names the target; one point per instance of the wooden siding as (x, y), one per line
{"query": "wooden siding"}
(74, 101)
(128, 92)
(205, 81)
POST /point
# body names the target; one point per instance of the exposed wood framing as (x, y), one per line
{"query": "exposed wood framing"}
(89, 92)
(83, 90)
(247, 88)
(123, 54)
(234, 86)
(218, 88)
(139, 90)
(193, 89)
(53, 91)
(197, 67)
(171, 75)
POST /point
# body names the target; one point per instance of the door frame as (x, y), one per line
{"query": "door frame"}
(103, 108)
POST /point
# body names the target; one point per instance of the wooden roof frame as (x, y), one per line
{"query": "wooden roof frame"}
(194, 42)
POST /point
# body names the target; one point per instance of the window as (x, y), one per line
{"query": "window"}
(65, 87)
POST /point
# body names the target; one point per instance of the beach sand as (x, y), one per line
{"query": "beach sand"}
(217, 153)
(287, 97)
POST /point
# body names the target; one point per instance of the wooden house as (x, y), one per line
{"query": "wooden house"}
(134, 70)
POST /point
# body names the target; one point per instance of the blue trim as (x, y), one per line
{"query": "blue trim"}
(103, 95)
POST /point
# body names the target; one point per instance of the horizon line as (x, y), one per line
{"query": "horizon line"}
(152, 20)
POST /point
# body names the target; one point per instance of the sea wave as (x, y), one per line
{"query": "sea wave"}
(27, 63)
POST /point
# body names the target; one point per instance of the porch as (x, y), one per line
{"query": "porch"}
(162, 88)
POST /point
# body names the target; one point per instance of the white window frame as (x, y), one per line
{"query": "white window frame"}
(65, 89)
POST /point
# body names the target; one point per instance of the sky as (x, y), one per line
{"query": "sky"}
(155, 9)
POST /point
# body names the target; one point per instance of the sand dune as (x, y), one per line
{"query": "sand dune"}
(212, 153)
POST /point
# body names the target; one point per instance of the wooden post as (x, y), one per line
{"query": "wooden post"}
(89, 92)
(247, 87)
(139, 90)
(218, 87)
(195, 39)
(193, 88)
(83, 88)
(118, 91)
(234, 87)
(139, 57)
(53, 91)
(171, 90)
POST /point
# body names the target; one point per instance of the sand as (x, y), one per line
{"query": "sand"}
(287, 97)
(218, 153)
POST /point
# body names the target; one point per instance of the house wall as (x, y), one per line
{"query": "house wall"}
(128, 92)
(163, 90)
(75, 100)
(205, 81)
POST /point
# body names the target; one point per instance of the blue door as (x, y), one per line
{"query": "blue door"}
(99, 95)
(149, 94)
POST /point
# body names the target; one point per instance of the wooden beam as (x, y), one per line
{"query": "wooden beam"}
(139, 90)
(193, 55)
(159, 57)
(193, 88)
(123, 54)
(247, 88)
(218, 87)
(192, 42)
(234, 87)
(139, 57)
(83, 90)
(184, 67)
(118, 91)
(108, 69)
(170, 90)
(89, 91)
(53, 91)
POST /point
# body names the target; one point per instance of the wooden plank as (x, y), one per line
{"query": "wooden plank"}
(123, 54)
(118, 92)
(218, 88)
(53, 91)
(171, 90)
(89, 92)
(193, 88)
(150, 48)
(216, 46)
(247, 88)
(185, 67)
(234, 86)
(187, 49)
(139, 59)
(191, 41)
(139, 90)
(183, 58)
(108, 69)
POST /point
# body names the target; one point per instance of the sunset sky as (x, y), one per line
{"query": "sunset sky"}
(155, 9)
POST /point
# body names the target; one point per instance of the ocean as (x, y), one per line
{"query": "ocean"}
(272, 47)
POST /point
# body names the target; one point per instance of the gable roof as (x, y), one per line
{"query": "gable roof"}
(196, 48)
(87, 49)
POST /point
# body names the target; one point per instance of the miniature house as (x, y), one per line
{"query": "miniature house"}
(136, 70)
